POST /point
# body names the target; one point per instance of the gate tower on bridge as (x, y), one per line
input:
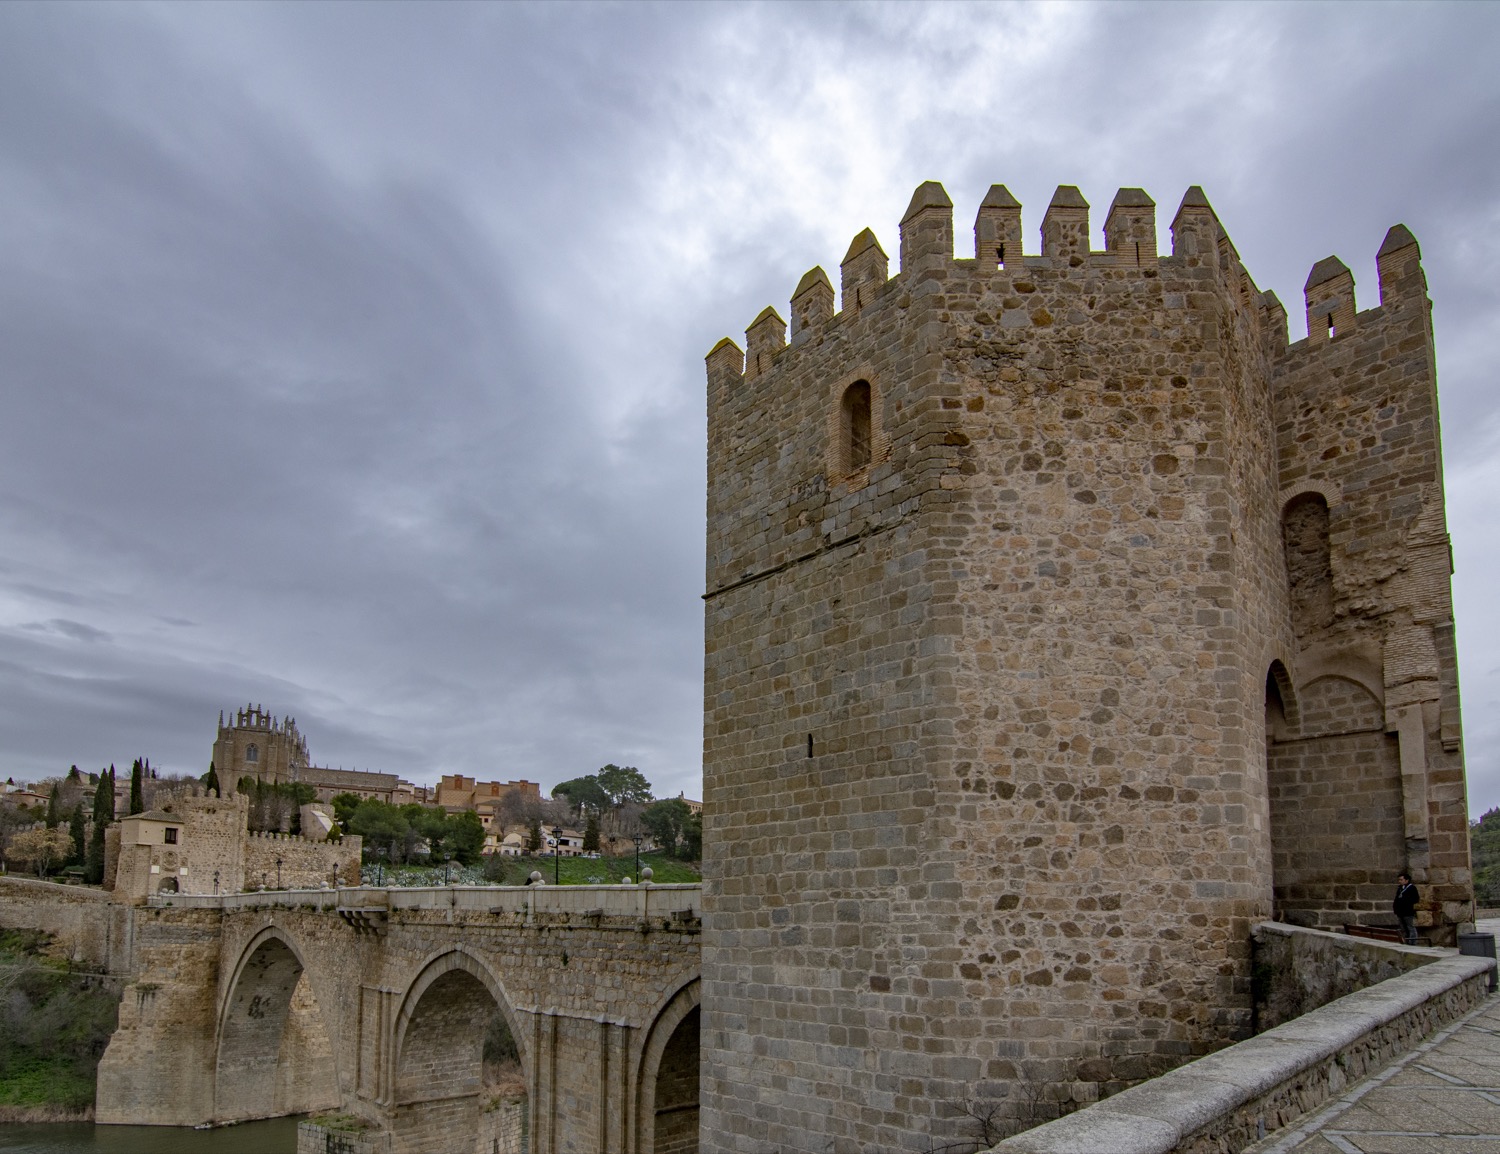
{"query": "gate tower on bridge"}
(1062, 620)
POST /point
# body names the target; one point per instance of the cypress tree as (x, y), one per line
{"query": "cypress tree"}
(52, 807)
(137, 798)
(75, 829)
(104, 812)
(211, 782)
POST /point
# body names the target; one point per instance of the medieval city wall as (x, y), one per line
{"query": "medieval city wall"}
(303, 862)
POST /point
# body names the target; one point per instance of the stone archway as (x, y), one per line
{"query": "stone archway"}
(1333, 777)
(668, 1081)
(273, 1055)
(439, 1060)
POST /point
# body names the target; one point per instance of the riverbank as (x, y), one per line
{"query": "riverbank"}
(43, 1115)
(276, 1136)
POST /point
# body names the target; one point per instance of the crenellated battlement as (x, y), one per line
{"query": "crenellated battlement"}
(1199, 243)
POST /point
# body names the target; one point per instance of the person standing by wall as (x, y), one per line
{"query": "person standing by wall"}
(1405, 908)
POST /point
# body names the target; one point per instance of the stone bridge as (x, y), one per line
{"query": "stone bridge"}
(374, 1003)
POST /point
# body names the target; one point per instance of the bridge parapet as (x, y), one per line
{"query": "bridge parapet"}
(677, 902)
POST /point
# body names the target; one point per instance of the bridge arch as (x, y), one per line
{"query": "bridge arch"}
(273, 1055)
(667, 1078)
(438, 1052)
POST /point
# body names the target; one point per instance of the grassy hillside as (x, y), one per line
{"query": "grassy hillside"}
(513, 871)
(54, 1026)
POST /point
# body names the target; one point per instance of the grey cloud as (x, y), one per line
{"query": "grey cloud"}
(366, 341)
(74, 630)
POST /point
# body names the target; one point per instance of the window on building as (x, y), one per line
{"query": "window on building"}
(170, 836)
(252, 753)
(855, 426)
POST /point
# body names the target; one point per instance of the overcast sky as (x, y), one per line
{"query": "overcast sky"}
(351, 356)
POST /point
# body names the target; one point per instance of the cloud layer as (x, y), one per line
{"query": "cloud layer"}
(350, 357)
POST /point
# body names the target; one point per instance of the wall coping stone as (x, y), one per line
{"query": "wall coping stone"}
(1156, 1116)
(587, 900)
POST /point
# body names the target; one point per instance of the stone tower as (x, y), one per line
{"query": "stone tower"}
(1062, 621)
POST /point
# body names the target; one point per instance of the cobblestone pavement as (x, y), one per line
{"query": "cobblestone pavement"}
(1442, 1098)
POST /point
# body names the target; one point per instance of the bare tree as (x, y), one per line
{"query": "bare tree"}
(42, 848)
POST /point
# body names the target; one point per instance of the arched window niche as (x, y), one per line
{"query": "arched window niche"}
(252, 753)
(855, 441)
(1304, 536)
(855, 425)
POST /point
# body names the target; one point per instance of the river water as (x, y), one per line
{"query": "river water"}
(277, 1136)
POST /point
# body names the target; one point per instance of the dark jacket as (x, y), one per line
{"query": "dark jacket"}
(1406, 901)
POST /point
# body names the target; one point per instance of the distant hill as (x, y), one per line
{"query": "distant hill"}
(1484, 850)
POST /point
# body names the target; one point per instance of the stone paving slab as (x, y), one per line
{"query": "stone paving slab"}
(1441, 1098)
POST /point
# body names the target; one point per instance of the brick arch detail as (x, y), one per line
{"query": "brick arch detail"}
(1331, 492)
(665, 1019)
(1291, 706)
(836, 466)
(1361, 664)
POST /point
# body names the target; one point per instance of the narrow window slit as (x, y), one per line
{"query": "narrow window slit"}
(809, 746)
(856, 426)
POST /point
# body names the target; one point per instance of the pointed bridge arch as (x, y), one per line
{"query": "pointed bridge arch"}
(667, 1078)
(273, 1055)
(437, 1048)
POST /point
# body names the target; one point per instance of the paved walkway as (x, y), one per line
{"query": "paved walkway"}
(1442, 1098)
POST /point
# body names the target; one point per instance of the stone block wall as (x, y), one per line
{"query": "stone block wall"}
(1336, 808)
(502, 1128)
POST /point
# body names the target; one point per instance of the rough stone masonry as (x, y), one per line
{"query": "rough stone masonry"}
(1062, 620)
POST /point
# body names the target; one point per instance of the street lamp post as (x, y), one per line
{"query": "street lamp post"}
(556, 855)
(216, 882)
(278, 873)
(448, 872)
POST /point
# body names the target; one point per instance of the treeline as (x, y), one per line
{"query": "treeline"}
(407, 834)
(617, 802)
